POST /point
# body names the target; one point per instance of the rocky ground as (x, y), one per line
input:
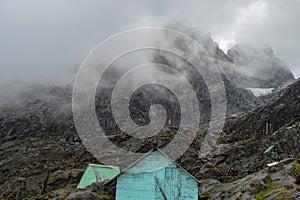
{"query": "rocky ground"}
(41, 156)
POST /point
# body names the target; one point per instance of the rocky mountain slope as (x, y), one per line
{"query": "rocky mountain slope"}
(42, 157)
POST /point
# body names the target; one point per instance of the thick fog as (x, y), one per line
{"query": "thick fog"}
(45, 41)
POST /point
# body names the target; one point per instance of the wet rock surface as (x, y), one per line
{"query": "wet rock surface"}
(270, 183)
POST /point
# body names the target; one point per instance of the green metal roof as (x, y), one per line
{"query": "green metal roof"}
(269, 149)
(97, 173)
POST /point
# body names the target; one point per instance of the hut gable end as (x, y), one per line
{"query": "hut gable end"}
(155, 176)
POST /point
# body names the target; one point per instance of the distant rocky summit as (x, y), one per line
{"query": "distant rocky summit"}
(247, 66)
(257, 67)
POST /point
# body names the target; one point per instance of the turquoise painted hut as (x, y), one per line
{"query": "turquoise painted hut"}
(155, 176)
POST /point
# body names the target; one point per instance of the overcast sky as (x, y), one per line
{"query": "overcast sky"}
(45, 40)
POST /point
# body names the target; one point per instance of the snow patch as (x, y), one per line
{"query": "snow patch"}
(261, 91)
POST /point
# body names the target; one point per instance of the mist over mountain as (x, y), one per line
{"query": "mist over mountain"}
(42, 156)
(258, 67)
(226, 82)
(247, 66)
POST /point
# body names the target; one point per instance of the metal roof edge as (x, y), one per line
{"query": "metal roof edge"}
(139, 159)
(104, 166)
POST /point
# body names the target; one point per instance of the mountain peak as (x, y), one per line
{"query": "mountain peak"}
(259, 65)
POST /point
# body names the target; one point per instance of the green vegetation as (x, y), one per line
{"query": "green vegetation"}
(261, 195)
(70, 185)
(205, 193)
(105, 197)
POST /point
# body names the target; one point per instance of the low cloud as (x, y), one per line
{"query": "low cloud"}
(46, 41)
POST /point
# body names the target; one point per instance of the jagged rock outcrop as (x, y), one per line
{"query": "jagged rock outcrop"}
(247, 66)
(203, 38)
(239, 99)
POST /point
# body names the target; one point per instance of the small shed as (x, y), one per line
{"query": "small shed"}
(97, 173)
(157, 177)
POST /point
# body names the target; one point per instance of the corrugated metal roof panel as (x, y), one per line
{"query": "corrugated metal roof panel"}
(97, 173)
